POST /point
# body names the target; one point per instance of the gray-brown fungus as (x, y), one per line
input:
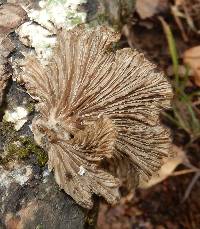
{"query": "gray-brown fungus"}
(98, 114)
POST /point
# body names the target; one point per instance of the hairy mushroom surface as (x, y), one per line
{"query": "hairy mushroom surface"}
(98, 114)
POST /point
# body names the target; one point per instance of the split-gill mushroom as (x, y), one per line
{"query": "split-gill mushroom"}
(98, 114)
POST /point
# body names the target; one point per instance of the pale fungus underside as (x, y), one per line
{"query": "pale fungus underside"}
(98, 114)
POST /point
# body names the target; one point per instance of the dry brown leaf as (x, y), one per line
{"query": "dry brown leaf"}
(192, 58)
(148, 8)
(99, 114)
(179, 2)
(167, 169)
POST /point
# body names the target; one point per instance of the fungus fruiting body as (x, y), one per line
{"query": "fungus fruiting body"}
(98, 114)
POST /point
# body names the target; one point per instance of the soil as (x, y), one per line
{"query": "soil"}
(162, 206)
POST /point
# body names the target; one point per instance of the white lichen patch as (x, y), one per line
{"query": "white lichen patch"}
(19, 174)
(18, 116)
(58, 13)
(52, 15)
(81, 170)
(34, 35)
(45, 175)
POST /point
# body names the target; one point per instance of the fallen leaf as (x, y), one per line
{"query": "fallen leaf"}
(167, 169)
(191, 57)
(148, 8)
(178, 2)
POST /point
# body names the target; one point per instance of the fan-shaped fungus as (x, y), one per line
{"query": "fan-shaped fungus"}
(98, 114)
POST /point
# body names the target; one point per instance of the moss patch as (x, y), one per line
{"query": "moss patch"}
(29, 147)
(30, 107)
(19, 147)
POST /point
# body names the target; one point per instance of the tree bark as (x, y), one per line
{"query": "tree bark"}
(29, 196)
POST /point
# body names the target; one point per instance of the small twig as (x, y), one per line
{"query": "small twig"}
(196, 103)
(184, 171)
(174, 11)
(190, 186)
(188, 17)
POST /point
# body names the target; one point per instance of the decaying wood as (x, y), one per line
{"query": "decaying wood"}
(3, 78)
(11, 16)
(98, 114)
